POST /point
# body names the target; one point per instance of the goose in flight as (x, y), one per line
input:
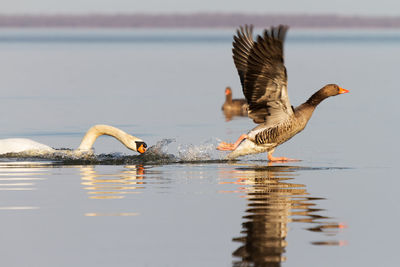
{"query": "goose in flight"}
(260, 64)
(17, 145)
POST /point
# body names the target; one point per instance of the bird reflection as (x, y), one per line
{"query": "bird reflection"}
(112, 186)
(231, 114)
(273, 202)
(21, 177)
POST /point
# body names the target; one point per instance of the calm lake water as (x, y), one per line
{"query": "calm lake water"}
(185, 205)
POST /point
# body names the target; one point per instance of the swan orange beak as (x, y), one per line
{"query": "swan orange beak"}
(343, 91)
(141, 149)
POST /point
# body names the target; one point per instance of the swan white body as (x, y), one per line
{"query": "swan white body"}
(18, 145)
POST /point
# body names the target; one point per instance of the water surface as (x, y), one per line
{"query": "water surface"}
(186, 205)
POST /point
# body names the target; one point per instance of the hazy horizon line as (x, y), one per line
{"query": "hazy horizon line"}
(197, 20)
(178, 13)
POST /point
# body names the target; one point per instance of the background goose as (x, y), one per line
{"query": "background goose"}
(233, 107)
(234, 104)
(262, 73)
(17, 145)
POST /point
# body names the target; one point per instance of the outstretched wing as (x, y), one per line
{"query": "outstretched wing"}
(263, 74)
(242, 45)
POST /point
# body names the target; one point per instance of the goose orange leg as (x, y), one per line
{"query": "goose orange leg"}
(278, 159)
(229, 146)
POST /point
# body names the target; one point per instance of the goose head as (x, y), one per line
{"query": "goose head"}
(228, 91)
(325, 92)
(228, 95)
(332, 90)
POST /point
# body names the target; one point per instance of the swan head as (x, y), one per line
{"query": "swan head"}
(140, 146)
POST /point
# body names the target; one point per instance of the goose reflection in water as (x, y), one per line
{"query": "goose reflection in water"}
(112, 186)
(273, 202)
(231, 114)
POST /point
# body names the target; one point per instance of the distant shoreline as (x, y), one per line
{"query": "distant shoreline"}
(198, 20)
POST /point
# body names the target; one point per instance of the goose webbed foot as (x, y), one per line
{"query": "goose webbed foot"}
(230, 146)
(225, 146)
(279, 159)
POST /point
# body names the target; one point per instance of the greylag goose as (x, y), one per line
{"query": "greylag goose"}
(262, 73)
(17, 145)
(230, 104)
(233, 107)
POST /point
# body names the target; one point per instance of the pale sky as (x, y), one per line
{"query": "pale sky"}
(346, 7)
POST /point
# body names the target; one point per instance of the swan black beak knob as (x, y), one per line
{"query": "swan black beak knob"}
(141, 147)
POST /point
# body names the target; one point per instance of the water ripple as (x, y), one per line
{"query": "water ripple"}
(20, 177)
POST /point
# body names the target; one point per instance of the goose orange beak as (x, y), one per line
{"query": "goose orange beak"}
(141, 149)
(343, 91)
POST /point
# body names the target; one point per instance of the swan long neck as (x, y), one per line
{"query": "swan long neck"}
(98, 130)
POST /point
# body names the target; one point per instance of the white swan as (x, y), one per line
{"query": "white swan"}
(17, 145)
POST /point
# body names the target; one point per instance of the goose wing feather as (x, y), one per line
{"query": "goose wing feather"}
(262, 72)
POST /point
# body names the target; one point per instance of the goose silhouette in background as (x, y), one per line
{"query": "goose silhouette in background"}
(262, 73)
(18, 145)
(233, 107)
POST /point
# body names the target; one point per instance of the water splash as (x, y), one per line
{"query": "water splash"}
(194, 153)
(159, 153)
(160, 148)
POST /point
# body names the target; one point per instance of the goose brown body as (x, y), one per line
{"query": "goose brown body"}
(263, 76)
